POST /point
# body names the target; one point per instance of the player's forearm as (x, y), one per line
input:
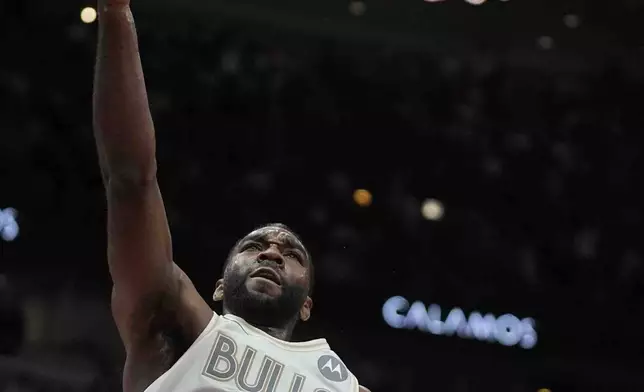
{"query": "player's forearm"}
(122, 122)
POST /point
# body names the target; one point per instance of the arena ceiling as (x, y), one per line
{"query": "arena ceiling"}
(582, 25)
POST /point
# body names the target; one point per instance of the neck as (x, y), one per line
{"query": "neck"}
(283, 333)
(279, 333)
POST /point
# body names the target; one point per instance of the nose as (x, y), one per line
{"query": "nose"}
(273, 254)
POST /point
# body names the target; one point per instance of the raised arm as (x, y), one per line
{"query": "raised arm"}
(146, 281)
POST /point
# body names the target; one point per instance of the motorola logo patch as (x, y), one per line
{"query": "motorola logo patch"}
(332, 369)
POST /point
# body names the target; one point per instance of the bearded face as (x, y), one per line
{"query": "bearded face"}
(266, 281)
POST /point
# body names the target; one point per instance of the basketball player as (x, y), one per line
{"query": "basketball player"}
(173, 340)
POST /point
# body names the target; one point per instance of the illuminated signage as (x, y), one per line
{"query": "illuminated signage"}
(8, 225)
(507, 329)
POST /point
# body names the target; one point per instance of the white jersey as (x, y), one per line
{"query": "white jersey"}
(232, 355)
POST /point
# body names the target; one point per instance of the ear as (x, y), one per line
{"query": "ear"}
(219, 291)
(305, 310)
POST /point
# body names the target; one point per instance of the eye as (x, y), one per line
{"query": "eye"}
(293, 255)
(251, 246)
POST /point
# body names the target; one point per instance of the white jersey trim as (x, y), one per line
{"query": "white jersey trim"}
(311, 345)
(356, 383)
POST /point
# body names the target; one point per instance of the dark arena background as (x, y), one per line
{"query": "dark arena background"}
(467, 176)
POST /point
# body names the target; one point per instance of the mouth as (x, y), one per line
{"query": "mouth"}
(268, 274)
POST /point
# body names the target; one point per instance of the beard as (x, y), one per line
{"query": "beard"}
(260, 309)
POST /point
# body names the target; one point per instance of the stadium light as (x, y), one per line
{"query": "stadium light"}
(475, 2)
(432, 209)
(357, 8)
(88, 15)
(362, 197)
(572, 21)
(545, 42)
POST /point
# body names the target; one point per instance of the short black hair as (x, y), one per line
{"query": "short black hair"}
(284, 227)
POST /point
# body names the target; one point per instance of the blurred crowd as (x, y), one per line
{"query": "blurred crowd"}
(537, 170)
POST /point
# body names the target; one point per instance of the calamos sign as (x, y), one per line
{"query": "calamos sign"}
(507, 329)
